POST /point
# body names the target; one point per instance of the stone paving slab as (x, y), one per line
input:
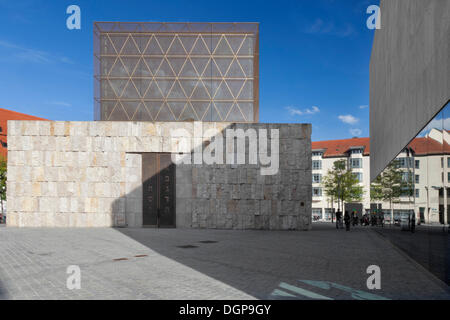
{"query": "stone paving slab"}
(34, 262)
(323, 263)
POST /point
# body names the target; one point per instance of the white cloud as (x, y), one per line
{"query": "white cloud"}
(329, 27)
(355, 132)
(297, 112)
(59, 103)
(293, 111)
(32, 55)
(348, 119)
(442, 123)
(363, 107)
(313, 110)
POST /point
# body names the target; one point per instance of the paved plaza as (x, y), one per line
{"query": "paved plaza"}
(143, 263)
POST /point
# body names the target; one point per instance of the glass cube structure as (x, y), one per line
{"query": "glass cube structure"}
(176, 71)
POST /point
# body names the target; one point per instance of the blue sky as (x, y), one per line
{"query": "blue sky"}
(314, 56)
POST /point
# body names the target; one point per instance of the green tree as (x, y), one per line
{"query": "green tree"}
(3, 167)
(342, 184)
(390, 185)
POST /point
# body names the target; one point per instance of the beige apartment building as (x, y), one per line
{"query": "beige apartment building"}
(425, 158)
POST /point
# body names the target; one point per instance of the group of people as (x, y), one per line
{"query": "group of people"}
(353, 219)
(346, 220)
(372, 219)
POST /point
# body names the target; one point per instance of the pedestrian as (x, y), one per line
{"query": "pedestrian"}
(338, 218)
(374, 219)
(413, 222)
(347, 220)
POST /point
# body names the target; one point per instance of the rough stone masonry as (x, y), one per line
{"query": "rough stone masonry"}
(89, 174)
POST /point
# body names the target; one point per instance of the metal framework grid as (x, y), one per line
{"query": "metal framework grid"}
(150, 71)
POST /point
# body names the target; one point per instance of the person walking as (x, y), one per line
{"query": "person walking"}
(413, 222)
(347, 220)
(338, 218)
(354, 218)
(373, 219)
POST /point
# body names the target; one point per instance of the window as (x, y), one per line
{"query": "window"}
(317, 164)
(317, 213)
(356, 151)
(448, 162)
(405, 162)
(317, 178)
(417, 164)
(358, 176)
(448, 177)
(328, 213)
(406, 192)
(442, 162)
(317, 153)
(417, 178)
(317, 192)
(355, 163)
(417, 193)
(407, 177)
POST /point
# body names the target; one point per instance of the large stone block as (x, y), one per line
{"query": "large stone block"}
(30, 128)
(88, 172)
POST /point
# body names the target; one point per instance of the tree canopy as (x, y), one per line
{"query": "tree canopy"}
(342, 184)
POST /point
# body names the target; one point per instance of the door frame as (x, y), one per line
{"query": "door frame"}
(157, 157)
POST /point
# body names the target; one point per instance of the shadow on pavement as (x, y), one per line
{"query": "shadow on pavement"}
(322, 263)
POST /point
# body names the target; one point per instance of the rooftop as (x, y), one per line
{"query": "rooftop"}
(6, 115)
(339, 148)
(176, 27)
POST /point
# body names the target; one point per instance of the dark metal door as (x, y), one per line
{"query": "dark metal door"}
(158, 179)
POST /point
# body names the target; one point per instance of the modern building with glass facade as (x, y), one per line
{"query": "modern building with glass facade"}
(409, 106)
(409, 98)
(409, 74)
(176, 71)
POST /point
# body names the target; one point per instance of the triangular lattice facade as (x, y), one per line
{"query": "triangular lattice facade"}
(176, 71)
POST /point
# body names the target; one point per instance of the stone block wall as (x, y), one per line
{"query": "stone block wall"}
(89, 174)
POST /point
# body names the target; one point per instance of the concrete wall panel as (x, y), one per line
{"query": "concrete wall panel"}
(409, 74)
(89, 174)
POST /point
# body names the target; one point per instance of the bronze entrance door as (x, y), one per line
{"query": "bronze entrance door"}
(158, 180)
